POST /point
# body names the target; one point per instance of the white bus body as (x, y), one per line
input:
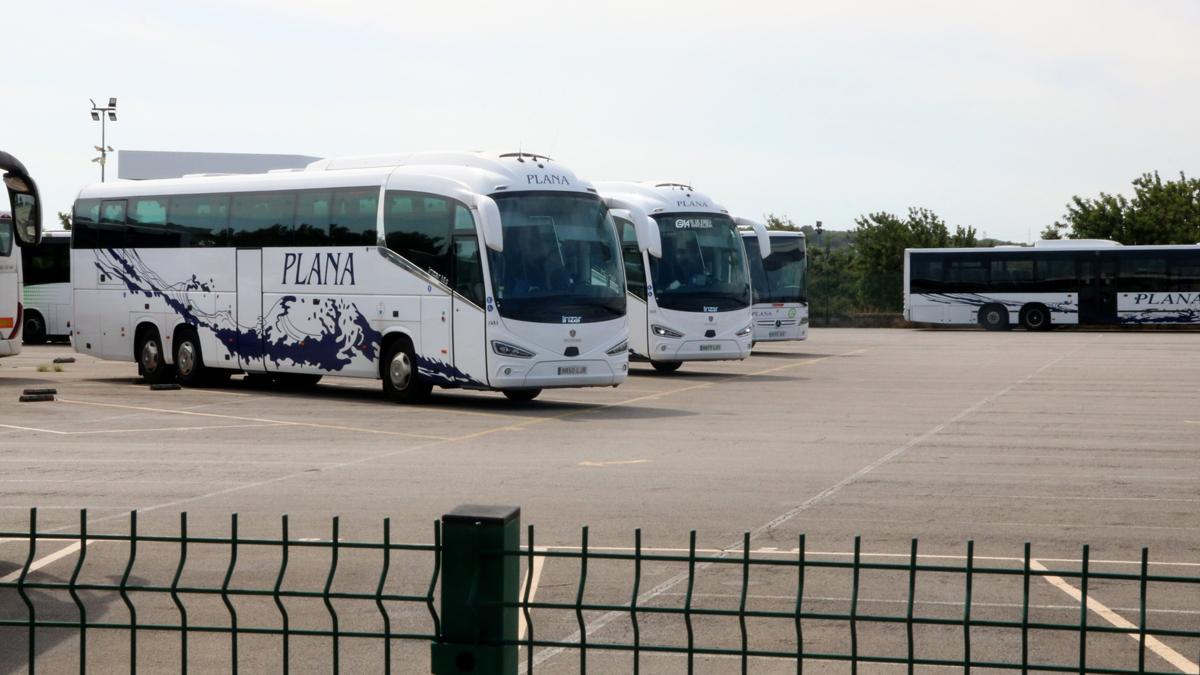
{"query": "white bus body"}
(19, 228)
(46, 277)
(11, 309)
(471, 270)
(689, 286)
(1069, 282)
(780, 286)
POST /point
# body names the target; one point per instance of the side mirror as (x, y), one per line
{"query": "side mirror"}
(23, 195)
(760, 233)
(489, 222)
(649, 238)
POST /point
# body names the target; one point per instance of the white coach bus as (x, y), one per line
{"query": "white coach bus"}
(46, 276)
(779, 284)
(694, 304)
(1085, 282)
(363, 266)
(20, 228)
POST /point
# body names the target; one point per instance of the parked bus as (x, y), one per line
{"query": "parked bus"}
(779, 284)
(462, 270)
(1085, 282)
(46, 272)
(694, 302)
(19, 228)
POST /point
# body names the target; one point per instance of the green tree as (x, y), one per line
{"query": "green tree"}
(879, 243)
(1160, 212)
(65, 219)
(775, 222)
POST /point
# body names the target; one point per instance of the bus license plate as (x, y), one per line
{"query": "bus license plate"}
(710, 348)
(777, 333)
(572, 370)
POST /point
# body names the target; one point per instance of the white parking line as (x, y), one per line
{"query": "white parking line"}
(133, 431)
(42, 562)
(1169, 655)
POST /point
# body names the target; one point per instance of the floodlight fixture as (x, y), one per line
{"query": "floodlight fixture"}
(95, 116)
(112, 101)
(112, 116)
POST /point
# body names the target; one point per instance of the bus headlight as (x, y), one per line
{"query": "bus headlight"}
(505, 349)
(746, 331)
(618, 349)
(663, 331)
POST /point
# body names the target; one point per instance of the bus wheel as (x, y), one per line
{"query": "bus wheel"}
(993, 317)
(401, 381)
(34, 330)
(298, 380)
(666, 366)
(189, 362)
(152, 365)
(1035, 317)
(522, 395)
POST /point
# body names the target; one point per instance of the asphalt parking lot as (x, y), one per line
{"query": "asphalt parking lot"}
(1060, 439)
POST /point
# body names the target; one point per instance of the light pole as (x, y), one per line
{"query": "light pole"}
(827, 267)
(99, 114)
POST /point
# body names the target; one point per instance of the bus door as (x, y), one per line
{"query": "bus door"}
(1097, 289)
(250, 310)
(471, 305)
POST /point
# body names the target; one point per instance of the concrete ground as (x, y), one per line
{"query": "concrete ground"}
(1059, 439)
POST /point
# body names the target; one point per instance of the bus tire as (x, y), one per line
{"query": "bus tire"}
(398, 368)
(521, 395)
(190, 370)
(33, 331)
(1035, 318)
(993, 317)
(151, 358)
(666, 366)
(298, 380)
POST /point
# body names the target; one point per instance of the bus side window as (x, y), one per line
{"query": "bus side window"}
(635, 273)
(110, 231)
(417, 226)
(200, 221)
(355, 217)
(262, 219)
(468, 273)
(1185, 271)
(313, 209)
(84, 217)
(147, 219)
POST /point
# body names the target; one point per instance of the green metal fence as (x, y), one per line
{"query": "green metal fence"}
(476, 596)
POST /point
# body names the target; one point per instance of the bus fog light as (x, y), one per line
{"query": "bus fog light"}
(508, 371)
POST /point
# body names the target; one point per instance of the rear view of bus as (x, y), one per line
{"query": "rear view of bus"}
(689, 282)
(20, 227)
(780, 286)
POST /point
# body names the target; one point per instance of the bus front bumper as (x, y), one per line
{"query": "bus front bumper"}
(564, 373)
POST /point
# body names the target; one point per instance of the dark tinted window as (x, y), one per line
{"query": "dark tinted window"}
(1011, 274)
(313, 209)
(635, 270)
(200, 220)
(6, 234)
(926, 273)
(1185, 271)
(468, 273)
(417, 226)
(1144, 271)
(354, 217)
(966, 273)
(47, 263)
(1055, 273)
(262, 219)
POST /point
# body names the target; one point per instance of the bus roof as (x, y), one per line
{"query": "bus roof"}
(479, 172)
(662, 197)
(775, 233)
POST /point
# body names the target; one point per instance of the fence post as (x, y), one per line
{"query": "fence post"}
(476, 579)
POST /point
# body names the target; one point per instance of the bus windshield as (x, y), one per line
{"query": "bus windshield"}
(781, 276)
(703, 265)
(561, 261)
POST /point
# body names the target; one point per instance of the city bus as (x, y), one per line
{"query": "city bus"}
(462, 270)
(1054, 282)
(688, 280)
(19, 228)
(779, 284)
(46, 277)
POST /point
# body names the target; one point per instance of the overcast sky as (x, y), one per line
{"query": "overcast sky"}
(992, 114)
